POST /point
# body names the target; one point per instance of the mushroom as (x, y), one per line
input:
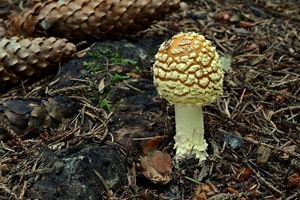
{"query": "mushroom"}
(187, 73)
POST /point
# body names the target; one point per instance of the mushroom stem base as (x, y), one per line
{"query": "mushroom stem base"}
(189, 138)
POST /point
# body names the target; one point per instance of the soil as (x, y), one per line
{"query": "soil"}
(97, 129)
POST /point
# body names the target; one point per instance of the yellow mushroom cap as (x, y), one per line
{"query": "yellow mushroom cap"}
(187, 70)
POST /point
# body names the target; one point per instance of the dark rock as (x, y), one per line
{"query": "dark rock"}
(76, 174)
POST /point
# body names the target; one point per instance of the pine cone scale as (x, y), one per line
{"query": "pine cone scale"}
(91, 18)
(23, 58)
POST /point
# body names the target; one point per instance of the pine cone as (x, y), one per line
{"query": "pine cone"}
(86, 19)
(33, 115)
(22, 58)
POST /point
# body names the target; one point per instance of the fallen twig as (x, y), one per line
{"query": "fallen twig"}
(271, 147)
(263, 180)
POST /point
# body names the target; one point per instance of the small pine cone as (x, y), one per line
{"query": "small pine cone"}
(22, 116)
(22, 58)
(86, 19)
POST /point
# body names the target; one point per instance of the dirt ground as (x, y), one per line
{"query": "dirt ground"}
(98, 130)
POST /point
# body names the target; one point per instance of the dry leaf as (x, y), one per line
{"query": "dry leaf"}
(223, 16)
(244, 174)
(152, 144)
(232, 190)
(202, 192)
(290, 149)
(293, 180)
(263, 154)
(157, 167)
(101, 86)
(200, 196)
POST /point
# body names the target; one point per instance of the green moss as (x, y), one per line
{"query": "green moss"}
(116, 59)
(118, 77)
(97, 63)
(92, 66)
(105, 104)
(101, 57)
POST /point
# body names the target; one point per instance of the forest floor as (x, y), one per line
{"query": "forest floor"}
(106, 117)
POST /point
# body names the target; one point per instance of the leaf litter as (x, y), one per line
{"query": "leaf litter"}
(259, 110)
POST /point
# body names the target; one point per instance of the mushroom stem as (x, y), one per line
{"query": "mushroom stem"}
(189, 138)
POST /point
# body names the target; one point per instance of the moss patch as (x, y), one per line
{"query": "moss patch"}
(108, 67)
